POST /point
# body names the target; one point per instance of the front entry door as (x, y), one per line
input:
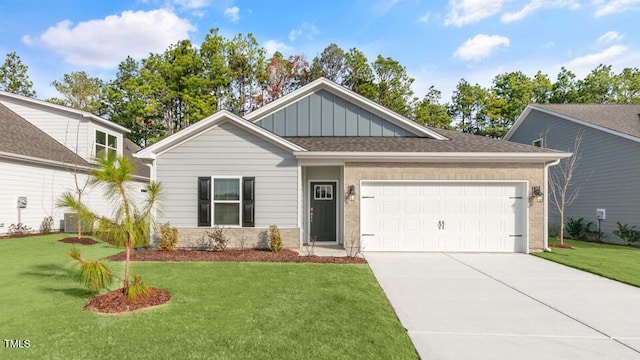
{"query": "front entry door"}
(322, 211)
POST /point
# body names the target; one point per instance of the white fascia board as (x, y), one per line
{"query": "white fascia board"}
(324, 84)
(528, 109)
(517, 123)
(216, 119)
(67, 109)
(432, 156)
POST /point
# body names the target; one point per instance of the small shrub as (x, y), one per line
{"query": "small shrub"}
(137, 290)
(168, 237)
(93, 274)
(47, 225)
(577, 229)
(19, 229)
(275, 239)
(215, 239)
(627, 233)
(352, 247)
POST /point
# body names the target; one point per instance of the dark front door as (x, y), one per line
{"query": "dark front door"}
(322, 211)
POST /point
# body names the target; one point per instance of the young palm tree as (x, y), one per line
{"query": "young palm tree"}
(129, 225)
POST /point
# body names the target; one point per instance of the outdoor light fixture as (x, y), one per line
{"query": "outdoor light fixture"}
(536, 191)
(351, 193)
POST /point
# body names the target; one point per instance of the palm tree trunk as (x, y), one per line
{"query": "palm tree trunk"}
(126, 268)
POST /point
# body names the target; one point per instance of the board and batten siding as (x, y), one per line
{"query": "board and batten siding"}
(227, 150)
(610, 164)
(76, 133)
(43, 185)
(325, 114)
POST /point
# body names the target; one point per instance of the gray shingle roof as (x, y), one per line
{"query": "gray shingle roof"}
(621, 118)
(458, 143)
(20, 137)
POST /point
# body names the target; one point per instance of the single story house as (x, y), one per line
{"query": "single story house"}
(329, 166)
(608, 166)
(43, 145)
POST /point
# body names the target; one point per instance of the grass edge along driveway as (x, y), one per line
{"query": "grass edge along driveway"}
(616, 262)
(217, 311)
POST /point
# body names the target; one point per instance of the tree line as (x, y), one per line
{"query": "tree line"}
(166, 92)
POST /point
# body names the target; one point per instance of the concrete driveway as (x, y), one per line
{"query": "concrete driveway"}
(508, 306)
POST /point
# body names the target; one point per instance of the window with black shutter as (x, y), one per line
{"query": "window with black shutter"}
(248, 202)
(204, 201)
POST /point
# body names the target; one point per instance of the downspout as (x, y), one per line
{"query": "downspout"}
(152, 178)
(547, 165)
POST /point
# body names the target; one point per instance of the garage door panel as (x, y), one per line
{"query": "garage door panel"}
(443, 216)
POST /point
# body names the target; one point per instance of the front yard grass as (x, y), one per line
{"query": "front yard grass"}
(217, 310)
(616, 262)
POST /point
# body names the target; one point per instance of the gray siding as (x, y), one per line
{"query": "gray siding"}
(610, 163)
(325, 114)
(229, 151)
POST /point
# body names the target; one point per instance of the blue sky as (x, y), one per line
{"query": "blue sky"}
(439, 42)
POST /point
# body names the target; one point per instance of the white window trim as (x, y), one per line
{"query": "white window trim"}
(106, 140)
(541, 140)
(214, 201)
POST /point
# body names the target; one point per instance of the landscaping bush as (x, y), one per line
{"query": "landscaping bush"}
(137, 290)
(627, 233)
(47, 225)
(18, 230)
(168, 237)
(275, 239)
(215, 239)
(577, 229)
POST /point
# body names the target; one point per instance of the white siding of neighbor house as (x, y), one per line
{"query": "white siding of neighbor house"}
(71, 130)
(227, 150)
(43, 185)
(609, 162)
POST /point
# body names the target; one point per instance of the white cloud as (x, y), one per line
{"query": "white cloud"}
(610, 36)
(462, 12)
(425, 18)
(592, 60)
(383, 6)
(306, 29)
(232, 13)
(271, 46)
(105, 42)
(534, 5)
(522, 13)
(27, 40)
(192, 4)
(480, 46)
(615, 6)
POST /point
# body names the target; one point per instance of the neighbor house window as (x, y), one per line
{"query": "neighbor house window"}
(538, 143)
(106, 144)
(228, 200)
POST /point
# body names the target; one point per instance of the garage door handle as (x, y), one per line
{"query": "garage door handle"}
(368, 197)
(368, 234)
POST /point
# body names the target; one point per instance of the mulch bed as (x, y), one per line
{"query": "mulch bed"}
(75, 240)
(235, 255)
(116, 302)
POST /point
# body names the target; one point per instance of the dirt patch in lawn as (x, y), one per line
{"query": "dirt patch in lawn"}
(561, 246)
(116, 302)
(236, 255)
(75, 240)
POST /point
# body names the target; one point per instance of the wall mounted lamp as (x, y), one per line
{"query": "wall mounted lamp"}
(351, 192)
(536, 191)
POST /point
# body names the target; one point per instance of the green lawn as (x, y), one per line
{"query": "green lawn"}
(621, 263)
(217, 311)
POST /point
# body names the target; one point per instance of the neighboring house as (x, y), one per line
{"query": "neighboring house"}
(609, 162)
(326, 164)
(42, 146)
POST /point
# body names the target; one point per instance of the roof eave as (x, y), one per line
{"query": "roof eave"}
(433, 156)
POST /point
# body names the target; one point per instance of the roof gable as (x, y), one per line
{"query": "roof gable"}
(203, 125)
(620, 120)
(324, 108)
(24, 139)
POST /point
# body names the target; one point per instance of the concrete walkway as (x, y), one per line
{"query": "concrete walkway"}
(508, 306)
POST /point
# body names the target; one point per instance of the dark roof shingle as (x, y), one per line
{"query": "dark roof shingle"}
(618, 117)
(458, 142)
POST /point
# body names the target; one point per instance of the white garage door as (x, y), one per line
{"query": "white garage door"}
(435, 216)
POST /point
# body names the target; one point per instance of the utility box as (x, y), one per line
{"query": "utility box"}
(71, 224)
(22, 202)
(601, 214)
